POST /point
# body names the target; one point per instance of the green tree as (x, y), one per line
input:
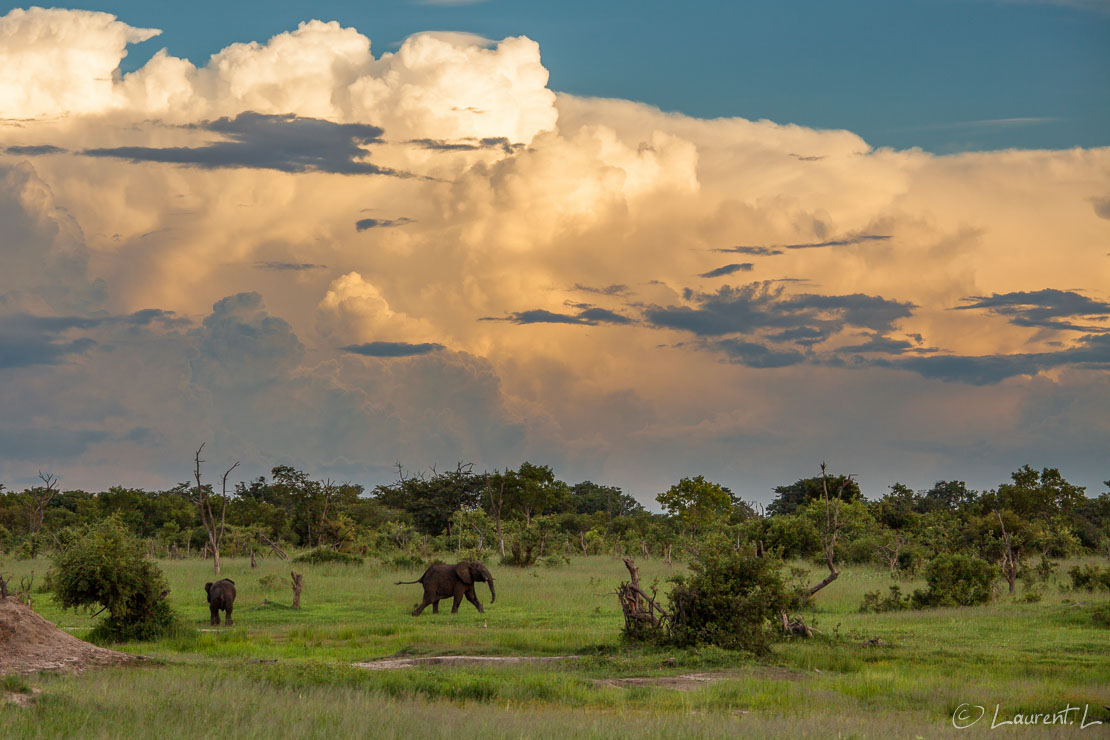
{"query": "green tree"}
(698, 503)
(789, 498)
(104, 565)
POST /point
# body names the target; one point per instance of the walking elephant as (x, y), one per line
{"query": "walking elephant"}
(443, 581)
(221, 595)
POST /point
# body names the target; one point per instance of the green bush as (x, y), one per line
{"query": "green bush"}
(322, 555)
(1101, 615)
(729, 599)
(104, 565)
(955, 580)
(1090, 578)
(874, 601)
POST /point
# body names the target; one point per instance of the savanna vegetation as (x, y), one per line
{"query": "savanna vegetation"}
(828, 613)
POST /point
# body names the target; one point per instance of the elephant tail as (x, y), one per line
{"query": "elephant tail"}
(405, 583)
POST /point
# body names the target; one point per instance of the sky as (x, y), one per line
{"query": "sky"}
(629, 244)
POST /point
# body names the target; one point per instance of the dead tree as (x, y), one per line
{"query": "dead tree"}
(298, 582)
(1009, 562)
(832, 528)
(892, 550)
(496, 505)
(254, 564)
(273, 547)
(641, 612)
(796, 625)
(203, 499)
(41, 496)
(3, 587)
(24, 592)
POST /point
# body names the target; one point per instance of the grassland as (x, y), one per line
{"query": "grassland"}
(281, 672)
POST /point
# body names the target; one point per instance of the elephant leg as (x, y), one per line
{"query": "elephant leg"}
(458, 600)
(227, 616)
(435, 607)
(215, 620)
(423, 605)
(473, 599)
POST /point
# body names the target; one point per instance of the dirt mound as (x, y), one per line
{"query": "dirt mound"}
(29, 643)
(392, 663)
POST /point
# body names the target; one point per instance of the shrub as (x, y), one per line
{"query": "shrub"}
(1101, 615)
(955, 580)
(729, 600)
(322, 555)
(1090, 578)
(874, 601)
(105, 565)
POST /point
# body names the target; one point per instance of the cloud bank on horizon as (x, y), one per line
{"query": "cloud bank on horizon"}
(306, 254)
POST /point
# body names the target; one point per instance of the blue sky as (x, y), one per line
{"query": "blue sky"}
(944, 75)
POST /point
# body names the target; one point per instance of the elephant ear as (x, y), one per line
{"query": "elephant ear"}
(462, 570)
(207, 588)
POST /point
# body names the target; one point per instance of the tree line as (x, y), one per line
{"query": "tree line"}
(527, 515)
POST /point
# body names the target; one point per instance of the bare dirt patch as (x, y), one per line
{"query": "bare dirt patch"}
(22, 699)
(694, 681)
(29, 643)
(394, 663)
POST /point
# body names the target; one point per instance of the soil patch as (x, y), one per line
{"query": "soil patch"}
(393, 663)
(29, 643)
(694, 681)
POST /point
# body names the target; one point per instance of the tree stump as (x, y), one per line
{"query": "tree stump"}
(298, 582)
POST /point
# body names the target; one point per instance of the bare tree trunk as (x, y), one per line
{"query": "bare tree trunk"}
(3, 587)
(173, 551)
(832, 528)
(298, 582)
(582, 541)
(254, 564)
(1009, 563)
(667, 554)
(40, 499)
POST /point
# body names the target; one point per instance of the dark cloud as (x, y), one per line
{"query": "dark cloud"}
(1102, 207)
(1042, 308)
(392, 349)
(588, 317)
(380, 223)
(27, 339)
(752, 354)
(861, 239)
(770, 251)
(26, 443)
(34, 151)
(728, 270)
(22, 350)
(878, 343)
(286, 143)
(1093, 351)
(803, 335)
(492, 142)
(288, 266)
(615, 289)
(761, 251)
(759, 306)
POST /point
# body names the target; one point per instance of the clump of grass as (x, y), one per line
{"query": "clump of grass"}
(13, 684)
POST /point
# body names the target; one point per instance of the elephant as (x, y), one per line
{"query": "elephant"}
(442, 581)
(221, 595)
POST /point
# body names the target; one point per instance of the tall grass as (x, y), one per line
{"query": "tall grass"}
(1032, 657)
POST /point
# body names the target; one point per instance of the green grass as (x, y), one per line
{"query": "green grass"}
(1025, 657)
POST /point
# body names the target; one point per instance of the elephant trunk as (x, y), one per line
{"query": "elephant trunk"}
(492, 593)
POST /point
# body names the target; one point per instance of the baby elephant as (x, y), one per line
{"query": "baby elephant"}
(442, 581)
(221, 595)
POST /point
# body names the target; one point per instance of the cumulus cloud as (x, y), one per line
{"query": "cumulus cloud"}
(542, 299)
